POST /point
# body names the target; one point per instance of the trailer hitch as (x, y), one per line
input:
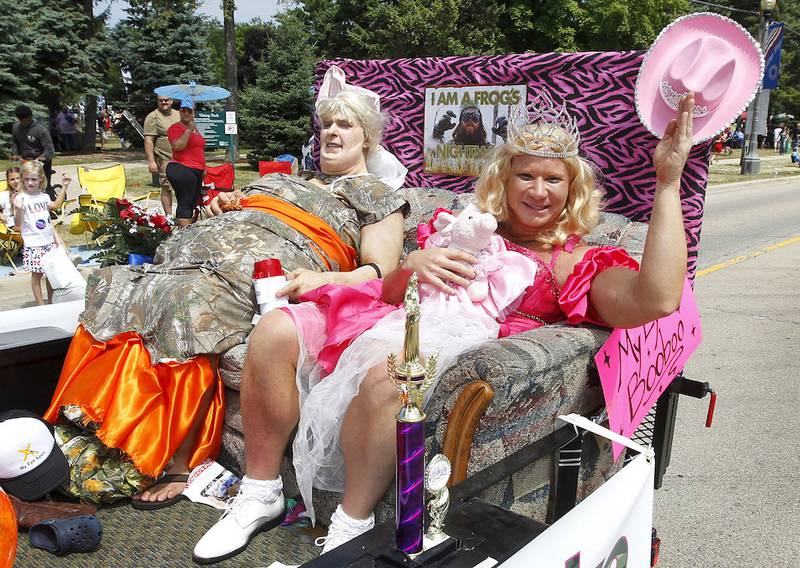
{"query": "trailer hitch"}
(696, 389)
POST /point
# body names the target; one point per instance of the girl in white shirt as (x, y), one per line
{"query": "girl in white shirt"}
(32, 208)
(7, 197)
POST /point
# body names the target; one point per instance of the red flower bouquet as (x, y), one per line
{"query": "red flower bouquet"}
(125, 228)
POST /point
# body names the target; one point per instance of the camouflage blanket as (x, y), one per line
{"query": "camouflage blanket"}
(198, 296)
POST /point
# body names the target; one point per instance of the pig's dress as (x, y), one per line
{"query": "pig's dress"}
(346, 331)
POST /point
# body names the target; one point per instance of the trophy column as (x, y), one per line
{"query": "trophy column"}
(410, 486)
(411, 378)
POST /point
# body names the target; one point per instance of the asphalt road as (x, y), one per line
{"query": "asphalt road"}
(730, 497)
(747, 216)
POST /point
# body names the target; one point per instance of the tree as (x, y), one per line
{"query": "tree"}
(251, 42)
(786, 98)
(618, 25)
(275, 111)
(160, 43)
(231, 81)
(18, 79)
(67, 63)
(403, 28)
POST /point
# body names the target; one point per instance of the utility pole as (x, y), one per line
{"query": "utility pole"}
(751, 162)
(231, 74)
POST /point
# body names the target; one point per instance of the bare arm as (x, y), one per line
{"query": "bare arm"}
(625, 298)
(381, 243)
(62, 194)
(149, 147)
(181, 142)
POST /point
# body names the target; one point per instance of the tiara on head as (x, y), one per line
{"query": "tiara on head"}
(546, 131)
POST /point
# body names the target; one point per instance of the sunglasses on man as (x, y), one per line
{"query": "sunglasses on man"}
(471, 116)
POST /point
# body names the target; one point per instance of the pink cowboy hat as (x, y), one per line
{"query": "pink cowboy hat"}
(708, 54)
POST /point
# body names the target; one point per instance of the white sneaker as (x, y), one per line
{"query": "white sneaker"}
(343, 528)
(248, 513)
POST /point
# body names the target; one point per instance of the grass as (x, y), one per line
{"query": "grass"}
(770, 169)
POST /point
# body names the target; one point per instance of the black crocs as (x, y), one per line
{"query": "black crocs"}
(62, 536)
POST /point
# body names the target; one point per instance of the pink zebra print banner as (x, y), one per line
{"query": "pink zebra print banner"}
(598, 88)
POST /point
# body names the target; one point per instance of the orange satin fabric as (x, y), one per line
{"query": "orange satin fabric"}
(145, 410)
(311, 226)
(8, 532)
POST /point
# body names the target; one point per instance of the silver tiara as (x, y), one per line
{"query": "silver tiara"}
(537, 132)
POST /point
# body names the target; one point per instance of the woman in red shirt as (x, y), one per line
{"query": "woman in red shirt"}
(185, 171)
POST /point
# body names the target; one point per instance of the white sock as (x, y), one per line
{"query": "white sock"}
(266, 490)
(362, 525)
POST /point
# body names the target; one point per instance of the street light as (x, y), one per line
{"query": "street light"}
(751, 162)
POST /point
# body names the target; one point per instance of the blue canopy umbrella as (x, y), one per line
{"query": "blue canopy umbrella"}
(193, 92)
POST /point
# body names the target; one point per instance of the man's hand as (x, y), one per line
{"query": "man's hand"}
(445, 123)
(672, 152)
(441, 267)
(152, 165)
(223, 202)
(303, 280)
(501, 127)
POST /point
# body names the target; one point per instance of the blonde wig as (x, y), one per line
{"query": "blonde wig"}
(358, 110)
(32, 167)
(582, 208)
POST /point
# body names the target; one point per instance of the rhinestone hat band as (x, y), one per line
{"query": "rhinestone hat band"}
(546, 131)
(673, 99)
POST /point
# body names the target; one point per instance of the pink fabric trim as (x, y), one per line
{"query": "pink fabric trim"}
(574, 296)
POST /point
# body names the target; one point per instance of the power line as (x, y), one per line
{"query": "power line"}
(725, 7)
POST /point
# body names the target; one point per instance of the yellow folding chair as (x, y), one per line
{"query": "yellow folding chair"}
(100, 185)
(3, 185)
(10, 244)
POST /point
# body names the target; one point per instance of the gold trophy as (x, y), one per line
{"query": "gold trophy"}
(411, 378)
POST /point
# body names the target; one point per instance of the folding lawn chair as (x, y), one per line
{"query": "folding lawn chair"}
(10, 244)
(100, 185)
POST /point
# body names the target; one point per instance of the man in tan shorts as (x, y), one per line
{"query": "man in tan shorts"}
(157, 146)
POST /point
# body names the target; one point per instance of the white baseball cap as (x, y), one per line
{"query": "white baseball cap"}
(31, 463)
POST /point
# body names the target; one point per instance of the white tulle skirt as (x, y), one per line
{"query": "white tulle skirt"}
(447, 329)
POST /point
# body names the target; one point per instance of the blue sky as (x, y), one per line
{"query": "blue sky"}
(246, 10)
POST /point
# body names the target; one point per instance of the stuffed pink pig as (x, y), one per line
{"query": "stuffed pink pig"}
(471, 231)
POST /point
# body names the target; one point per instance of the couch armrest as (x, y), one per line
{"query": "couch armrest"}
(535, 375)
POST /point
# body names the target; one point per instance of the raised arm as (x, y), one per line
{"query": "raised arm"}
(625, 298)
(62, 194)
(181, 141)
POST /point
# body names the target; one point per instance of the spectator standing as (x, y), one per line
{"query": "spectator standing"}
(118, 127)
(776, 138)
(30, 140)
(157, 146)
(67, 128)
(7, 197)
(185, 171)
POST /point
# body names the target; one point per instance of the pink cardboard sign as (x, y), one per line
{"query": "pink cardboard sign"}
(637, 365)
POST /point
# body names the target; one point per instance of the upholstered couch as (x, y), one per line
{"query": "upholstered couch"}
(535, 376)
